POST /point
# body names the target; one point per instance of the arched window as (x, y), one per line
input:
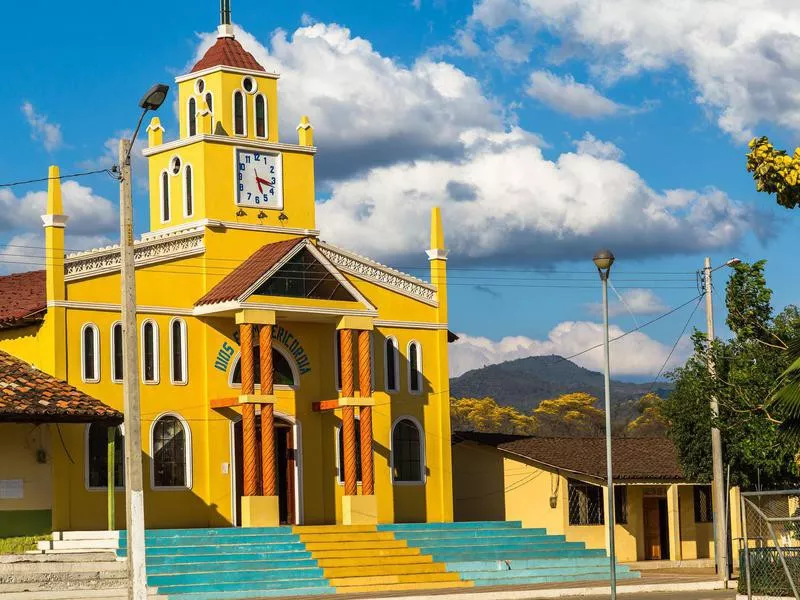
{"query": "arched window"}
(164, 197)
(341, 452)
(239, 117)
(188, 191)
(414, 368)
(170, 444)
(391, 365)
(116, 352)
(177, 351)
(97, 457)
(210, 102)
(407, 455)
(150, 352)
(281, 369)
(261, 116)
(90, 353)
(192, 116)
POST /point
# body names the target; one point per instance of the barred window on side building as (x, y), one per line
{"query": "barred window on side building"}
(585, 503)
(703, 512)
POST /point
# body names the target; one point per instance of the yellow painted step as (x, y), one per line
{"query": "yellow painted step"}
(344, 582)
(302, 529)
(314, 546)
(351, 561)
(364, 553)
(347, 537)
(369, 570)
(398, 587)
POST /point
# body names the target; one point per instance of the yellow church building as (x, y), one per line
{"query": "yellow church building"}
(283, 379)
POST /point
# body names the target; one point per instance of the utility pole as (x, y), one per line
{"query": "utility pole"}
(134, 488)
(720, 526)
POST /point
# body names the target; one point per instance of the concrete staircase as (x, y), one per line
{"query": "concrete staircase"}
(63, 575)
(503, 553)
(217, 564)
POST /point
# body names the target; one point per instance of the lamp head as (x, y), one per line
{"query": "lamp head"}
(154, 97)
(603, 260)
(733, 262)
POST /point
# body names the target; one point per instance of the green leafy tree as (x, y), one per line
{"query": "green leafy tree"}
(747, 369)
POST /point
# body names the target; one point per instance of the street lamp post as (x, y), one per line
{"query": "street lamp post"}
(719, 513)
(603, 261)
(134, 488)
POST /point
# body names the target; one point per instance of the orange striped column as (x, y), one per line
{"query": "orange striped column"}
(348, 413)
(248, 410)
(365, 387)
(268, 474)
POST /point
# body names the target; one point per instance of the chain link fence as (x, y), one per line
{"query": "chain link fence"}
(770, 545)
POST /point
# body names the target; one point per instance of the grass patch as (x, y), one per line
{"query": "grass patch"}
(20, 545)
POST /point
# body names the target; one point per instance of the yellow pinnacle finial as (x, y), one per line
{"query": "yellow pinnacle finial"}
(305, 132)
(54, 204)
(437, 231)
(155, 132)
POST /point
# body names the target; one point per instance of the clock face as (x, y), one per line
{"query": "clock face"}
(259, 179)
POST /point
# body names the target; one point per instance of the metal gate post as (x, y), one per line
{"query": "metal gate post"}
(746, 548)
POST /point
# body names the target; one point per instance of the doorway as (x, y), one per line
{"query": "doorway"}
(286, 464)
(656, 528)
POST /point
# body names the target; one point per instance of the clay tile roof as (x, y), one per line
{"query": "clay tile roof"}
(246, 274)
(28, 395)
(227, 52)
(23, 298)
(637, 459)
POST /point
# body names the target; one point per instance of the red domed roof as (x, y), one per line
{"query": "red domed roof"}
(227, 52)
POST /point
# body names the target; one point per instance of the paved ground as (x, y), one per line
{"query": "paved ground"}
(710, 595)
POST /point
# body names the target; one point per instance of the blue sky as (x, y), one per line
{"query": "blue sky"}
(544, 130)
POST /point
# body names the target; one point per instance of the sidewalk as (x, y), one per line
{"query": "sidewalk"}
(658, 580)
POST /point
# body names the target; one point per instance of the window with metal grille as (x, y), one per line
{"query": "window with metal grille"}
(703, 510)
(585, 503)
(406, 452)
(169, 453)
(621, 504)
(97, 456)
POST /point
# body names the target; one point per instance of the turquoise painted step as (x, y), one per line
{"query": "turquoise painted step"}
(316, 591)
(509, 574)
(450, 526)
(182, 559)
(502, 544)
(217, 549)
(469, 534)
(209, 540)
(500, 565)
(227, 565)
(463, 555)
(552, 579)
(215, 577)
(255, 588)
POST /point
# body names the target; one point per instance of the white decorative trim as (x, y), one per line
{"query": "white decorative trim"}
(214, 223)
(379, 274)
(183, 349)
(437, 254)
(304, 126)
(87, 458)
(227, 69)
(187, 448)
(420, 378)
(225, 30)
(113, 346)
(108, 307)
(157, 248)
(391, 340)
(156, 353)
(249, 143)
(95, 352)
(422, 469)
(59, 221)
(410, 325)
(255, 85)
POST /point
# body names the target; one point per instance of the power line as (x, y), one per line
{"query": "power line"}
(675, 345)
(109, 172)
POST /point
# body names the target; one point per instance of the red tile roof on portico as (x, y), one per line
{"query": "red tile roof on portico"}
(23, 299)
(28, 395)
(227, 52)
(251, 270)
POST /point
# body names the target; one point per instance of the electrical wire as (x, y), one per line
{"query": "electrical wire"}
(675, 345)
(109, 172)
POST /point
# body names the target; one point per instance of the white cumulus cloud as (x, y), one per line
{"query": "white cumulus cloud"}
(42, 130)
(564, 94)
(634, 355)
(592, 146)
(637, 301)
(742, 56)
